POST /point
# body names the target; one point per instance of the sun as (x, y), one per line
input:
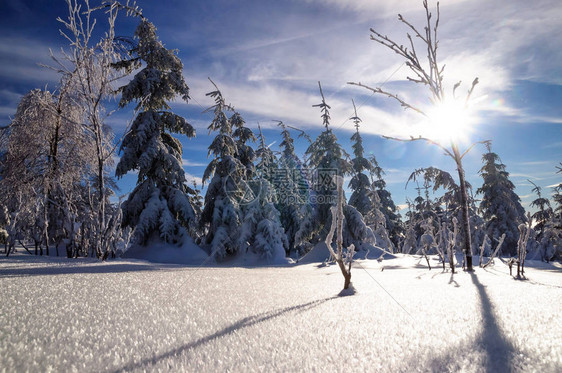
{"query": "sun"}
(450, 121)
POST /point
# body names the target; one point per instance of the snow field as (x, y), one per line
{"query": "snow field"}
(126, 315)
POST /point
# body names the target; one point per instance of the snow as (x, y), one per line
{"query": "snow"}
(157, 251)
(131, 315)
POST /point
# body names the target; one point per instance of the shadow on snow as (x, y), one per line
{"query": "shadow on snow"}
(241, 324)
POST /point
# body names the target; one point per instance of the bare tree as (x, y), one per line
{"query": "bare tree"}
(89, 65)
(344, 262)
(430, 75)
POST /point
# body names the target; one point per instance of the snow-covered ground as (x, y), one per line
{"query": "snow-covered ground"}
(129, 315)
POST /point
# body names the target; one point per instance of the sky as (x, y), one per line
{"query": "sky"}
(267, 58)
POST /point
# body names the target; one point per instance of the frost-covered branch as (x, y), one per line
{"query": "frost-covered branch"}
(337, 224)
(500, 243)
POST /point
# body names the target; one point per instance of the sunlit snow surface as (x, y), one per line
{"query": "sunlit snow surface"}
(83, 315)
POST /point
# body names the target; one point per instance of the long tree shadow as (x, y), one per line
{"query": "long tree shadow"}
(241, 324)
(498, 349)
(499, 352)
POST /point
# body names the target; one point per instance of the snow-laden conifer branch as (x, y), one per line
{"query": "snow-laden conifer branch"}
(324, 108)
(440, 178)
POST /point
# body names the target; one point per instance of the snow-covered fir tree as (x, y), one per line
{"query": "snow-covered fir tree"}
(327, 158)
(557, 198)
(228, 187)
(244, 152)
(550, 241)
(362, 195)
(544, 211)
(261, 231)
(292, 189)
(500, 206)
(364, 202)
(160, 203)
(387, 207)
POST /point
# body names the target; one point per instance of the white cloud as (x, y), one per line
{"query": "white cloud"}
(21, 59)
(276, 76)
(192, 178)
(190, 163)
(397, 175)
(402, 207)
(381, 8)
(534, 163)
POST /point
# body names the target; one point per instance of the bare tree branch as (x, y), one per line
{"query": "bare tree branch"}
(419, 138)
(403, 103)
(473, 145)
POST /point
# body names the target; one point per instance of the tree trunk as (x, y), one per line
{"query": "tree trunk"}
(347, 280)
(451, 261)
(464, 205)
(426, 258)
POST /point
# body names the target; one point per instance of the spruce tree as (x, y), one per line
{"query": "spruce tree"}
(550, 242)
(362, 195)
(222, 215)
(292, 189)
(160, 202)
(328, 159)
(557, 197)
(261, 231)
(388, 208)
(500, 206)
(544, 213)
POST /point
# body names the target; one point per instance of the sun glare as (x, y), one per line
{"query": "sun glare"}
(450, 121)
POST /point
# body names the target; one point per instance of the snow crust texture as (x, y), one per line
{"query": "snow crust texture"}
(127, 315)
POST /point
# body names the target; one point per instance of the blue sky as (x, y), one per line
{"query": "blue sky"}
(267, 56)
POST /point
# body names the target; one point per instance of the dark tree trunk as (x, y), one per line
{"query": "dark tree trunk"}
(427, 260)
(346, 274)
(464, 205)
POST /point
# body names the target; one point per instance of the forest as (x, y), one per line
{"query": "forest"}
(59, 161)
(152, 220)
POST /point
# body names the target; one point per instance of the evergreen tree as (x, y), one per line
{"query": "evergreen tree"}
(221, 215)
(363, 215)
(327, 158)
(160, 202)
(387, 207)
(362, 195)
(292, 190)
(557, 198)
(550, 242)
(261, 230)
(500, 206)
(544, 213)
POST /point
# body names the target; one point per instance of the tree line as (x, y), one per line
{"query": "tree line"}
(57, 157)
